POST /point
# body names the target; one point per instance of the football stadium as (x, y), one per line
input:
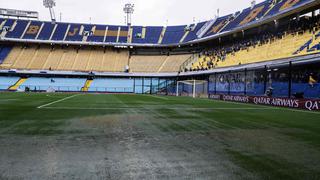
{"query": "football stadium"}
(233, 97)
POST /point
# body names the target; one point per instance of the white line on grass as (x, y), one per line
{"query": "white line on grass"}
(173, 108)
(54, 102)
(300, 110)
(158, 97)
(273, 107)
(5, 100)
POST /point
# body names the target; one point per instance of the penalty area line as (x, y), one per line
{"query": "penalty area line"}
(60, 100)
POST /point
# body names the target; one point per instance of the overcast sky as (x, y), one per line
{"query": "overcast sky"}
(147, 12)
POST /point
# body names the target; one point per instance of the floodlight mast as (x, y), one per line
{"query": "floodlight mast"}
(50, 4)
(128, 10)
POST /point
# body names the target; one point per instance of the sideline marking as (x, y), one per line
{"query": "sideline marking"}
(303, 111)
(69, 97)
(262, 105)
(182, 108)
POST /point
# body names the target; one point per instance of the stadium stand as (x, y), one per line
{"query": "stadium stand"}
(146, 63)
(112, 85)
(46, 31)
(149, 59)
(192, 32)
(220, 24)
(248, 15)
(44, 57)
(4, 51)
(160, 63)
(17, 84)
(7, 82)
(298, 38)
(33, 30)
(69, 32)
(58, 84)
(35, 57)
(87, 85)
(173, 63)
(173, 34)
(17, 29)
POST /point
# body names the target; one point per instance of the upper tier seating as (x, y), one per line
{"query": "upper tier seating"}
(37, 30)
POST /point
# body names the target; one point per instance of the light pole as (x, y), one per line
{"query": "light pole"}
(50, 4)
(128, 10)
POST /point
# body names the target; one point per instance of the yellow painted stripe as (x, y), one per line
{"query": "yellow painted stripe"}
(18, 83)
(87, 85)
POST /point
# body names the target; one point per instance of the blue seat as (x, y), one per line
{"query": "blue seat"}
(32, 30)
(46, 31)
(60, 32)
(18, 30)
(193, 34)
(4, 52)
(173, 34)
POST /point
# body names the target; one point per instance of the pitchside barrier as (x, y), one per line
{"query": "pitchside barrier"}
(306, 104)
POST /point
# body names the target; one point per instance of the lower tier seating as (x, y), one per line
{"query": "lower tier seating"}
(65, 59)
(88, 59)
(284, 47)
(157, 64)
(296, 37)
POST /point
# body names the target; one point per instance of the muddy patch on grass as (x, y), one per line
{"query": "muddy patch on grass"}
(107, 124)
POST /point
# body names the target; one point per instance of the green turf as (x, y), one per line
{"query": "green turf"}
(263, 140)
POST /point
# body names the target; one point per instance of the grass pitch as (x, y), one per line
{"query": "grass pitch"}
(92, 136)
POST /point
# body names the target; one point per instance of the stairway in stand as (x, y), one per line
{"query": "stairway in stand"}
(17, 84)
(87, 86)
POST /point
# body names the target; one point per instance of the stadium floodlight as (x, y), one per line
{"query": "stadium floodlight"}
(50, 4)
(128, 10)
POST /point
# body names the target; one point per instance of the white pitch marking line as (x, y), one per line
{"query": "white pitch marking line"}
(274, 107)
(182, 108)
(303, 111)
(5, 100)
(159, 97)
(54, 102)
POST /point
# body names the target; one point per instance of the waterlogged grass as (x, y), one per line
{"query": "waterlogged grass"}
(260, 140)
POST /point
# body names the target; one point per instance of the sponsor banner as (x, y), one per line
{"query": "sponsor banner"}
(307, 104)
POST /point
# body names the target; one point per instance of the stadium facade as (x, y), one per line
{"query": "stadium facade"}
(268, 50)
